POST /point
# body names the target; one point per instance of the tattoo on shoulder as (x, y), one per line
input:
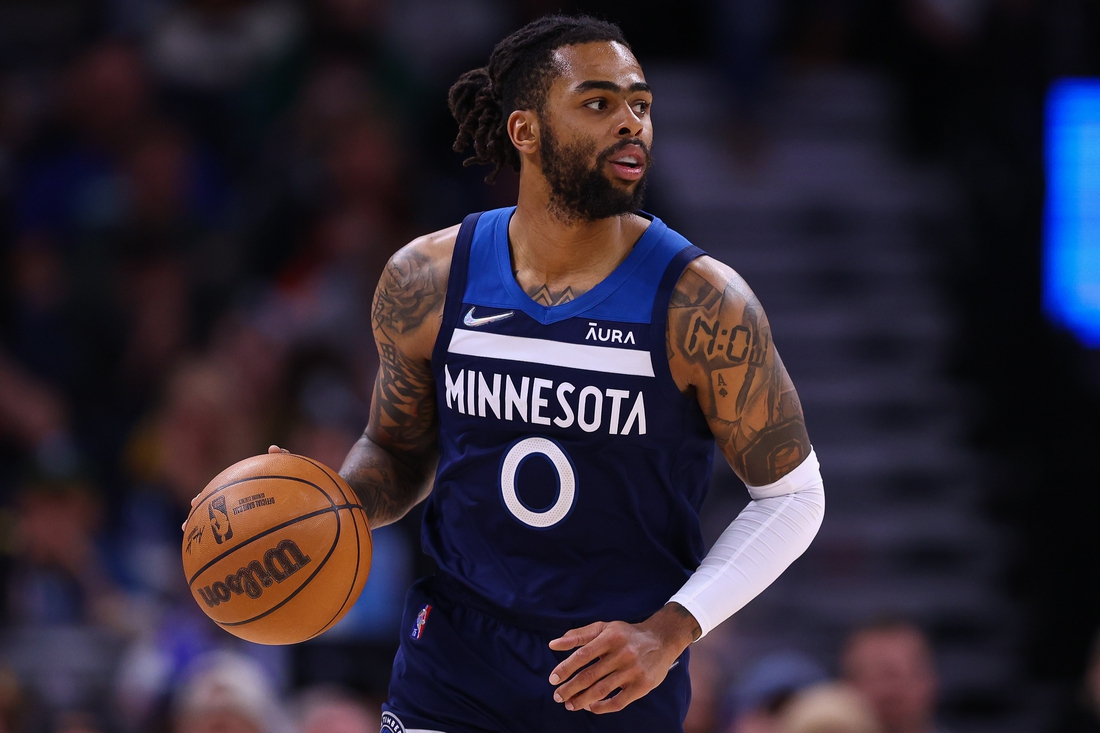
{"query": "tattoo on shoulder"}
(410, 289)
(720, 335)
(403, 411)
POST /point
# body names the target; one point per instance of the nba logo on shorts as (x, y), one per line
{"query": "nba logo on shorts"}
(391, 723)
(421, 619)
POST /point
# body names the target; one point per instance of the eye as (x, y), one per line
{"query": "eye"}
(597, 104)
(641, 107)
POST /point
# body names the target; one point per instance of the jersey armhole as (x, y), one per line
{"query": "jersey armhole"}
(456, 287)
(659, 318)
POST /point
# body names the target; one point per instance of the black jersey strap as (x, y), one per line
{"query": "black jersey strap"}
(456, 286)
(659, 319)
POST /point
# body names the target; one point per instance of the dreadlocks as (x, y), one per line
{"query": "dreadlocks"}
(517, 76)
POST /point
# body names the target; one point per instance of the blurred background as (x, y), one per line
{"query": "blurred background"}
(197, 198)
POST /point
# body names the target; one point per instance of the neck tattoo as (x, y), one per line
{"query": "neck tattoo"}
(543, 295)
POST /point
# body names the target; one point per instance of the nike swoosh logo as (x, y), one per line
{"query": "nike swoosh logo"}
(472, 322)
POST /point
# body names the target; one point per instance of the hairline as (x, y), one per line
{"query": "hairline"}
(556, 70)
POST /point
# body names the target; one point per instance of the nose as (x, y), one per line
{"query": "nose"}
(632, 125)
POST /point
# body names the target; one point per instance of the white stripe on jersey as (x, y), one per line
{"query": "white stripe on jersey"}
(552, 353)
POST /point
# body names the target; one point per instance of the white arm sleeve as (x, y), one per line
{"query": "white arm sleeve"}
(766, 537)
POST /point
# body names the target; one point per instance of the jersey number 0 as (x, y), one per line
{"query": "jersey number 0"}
(567, 482)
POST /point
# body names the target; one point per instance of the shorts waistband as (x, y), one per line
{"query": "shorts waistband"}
(458, 593)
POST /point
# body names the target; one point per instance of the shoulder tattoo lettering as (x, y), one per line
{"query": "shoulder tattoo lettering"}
(718, 333)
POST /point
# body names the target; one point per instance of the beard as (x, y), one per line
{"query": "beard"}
(579, 191)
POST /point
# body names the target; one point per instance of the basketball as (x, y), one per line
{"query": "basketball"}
(276, 549)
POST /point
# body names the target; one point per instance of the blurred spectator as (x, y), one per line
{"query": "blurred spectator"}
(1084, 716)
(108, 96)
(365, 166)
(334, 191)
(760, 697)
(890, 663)
(155, 296)
(73, 185)
(203, 425)
(333, 710)
(221, 62)
(257, 358)
(67, 612)
(42, 324)
(828, 708)
(35, 417)
(326, 294)
(328, 411)
(61, 577)
(229, 693)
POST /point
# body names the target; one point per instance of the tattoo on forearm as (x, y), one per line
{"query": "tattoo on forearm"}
(719, 333)
(403, 407)
(383, 490)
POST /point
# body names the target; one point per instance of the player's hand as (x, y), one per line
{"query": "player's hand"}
(633, 658)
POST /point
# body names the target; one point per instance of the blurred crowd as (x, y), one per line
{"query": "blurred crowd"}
(196, 200)
(885, 681)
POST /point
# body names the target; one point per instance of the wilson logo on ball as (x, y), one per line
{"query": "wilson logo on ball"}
(279, 563)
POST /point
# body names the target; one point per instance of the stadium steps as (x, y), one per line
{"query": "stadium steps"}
(842, 241)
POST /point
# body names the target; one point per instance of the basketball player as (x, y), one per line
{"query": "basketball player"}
(553, 379)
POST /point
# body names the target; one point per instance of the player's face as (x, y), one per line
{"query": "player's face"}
(596, 132)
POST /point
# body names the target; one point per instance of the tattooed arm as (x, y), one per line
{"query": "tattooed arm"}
(720, 347)
(392, 464)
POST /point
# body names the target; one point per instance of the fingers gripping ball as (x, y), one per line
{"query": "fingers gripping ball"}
(276, 549)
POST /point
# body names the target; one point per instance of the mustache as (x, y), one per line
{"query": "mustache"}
(623, 144)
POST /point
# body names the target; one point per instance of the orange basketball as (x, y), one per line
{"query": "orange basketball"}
(276, 549)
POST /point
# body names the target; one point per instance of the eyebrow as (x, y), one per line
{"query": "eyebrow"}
(610, 86)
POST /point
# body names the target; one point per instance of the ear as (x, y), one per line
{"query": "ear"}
(523, 129)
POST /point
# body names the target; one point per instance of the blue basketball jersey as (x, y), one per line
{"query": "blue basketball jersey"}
(571, 467)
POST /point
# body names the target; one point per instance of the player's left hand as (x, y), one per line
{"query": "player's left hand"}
(632, 658)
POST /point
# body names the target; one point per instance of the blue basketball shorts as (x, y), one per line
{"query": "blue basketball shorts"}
(462, 669)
